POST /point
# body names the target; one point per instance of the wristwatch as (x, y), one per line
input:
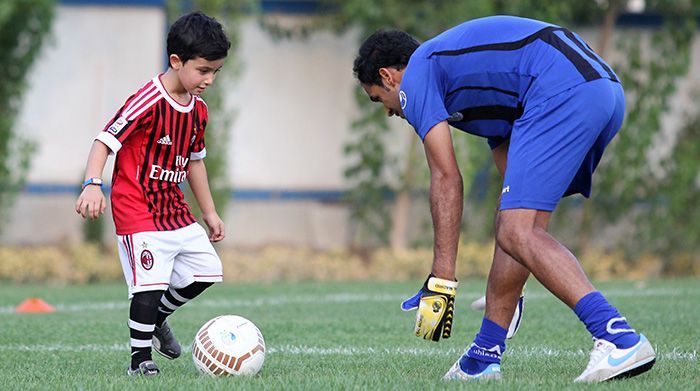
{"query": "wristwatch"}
(92, 181)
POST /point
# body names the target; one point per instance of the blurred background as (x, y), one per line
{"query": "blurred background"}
(313, 182)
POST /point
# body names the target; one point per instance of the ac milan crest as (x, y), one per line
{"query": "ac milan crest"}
(146, 259)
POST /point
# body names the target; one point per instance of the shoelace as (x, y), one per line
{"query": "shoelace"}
(598, 352)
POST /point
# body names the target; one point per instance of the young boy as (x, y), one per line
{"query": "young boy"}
(158, 139)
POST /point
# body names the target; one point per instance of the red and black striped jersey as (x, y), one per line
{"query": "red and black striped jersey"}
(154, 139)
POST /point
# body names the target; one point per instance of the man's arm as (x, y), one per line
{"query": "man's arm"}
(199, 183)
(446, 199)
(91, 203)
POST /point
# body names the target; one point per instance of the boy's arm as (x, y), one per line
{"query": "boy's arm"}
(199, 183)
(91, 202)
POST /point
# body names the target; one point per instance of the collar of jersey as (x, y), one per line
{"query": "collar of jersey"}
(173, 102)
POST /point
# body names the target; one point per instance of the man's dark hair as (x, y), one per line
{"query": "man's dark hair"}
(384, 48)
(197, 35)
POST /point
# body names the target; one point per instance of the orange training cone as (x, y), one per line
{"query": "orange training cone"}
(34, 306)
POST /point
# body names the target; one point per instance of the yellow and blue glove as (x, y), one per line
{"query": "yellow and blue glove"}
(435, 302)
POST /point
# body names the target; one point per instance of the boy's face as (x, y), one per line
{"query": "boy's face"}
(196, 74)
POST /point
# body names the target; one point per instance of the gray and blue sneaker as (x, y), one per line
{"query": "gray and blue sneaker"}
(608, 362)
(491, 372)
(147, 368)
(164, 342)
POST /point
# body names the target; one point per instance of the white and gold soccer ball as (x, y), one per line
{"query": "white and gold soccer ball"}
(228, 345)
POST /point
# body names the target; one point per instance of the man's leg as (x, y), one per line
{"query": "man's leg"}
(505, 283)
(522, 234)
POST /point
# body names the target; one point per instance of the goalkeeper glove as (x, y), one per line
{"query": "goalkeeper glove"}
(435, 303)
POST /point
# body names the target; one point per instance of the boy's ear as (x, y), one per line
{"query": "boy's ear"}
(175, 61)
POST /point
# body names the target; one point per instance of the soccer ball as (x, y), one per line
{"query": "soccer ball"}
(228, 345)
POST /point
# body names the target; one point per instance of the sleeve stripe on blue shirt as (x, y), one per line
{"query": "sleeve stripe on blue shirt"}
(546, 35)
(587, 50)
(584, 67)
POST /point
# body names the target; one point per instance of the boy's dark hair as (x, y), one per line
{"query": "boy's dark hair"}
(384, 48)
(197, 35)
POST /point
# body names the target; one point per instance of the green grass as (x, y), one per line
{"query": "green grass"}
(337, 336)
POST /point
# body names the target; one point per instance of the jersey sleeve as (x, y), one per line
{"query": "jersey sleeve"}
(199, 150)
(128, 120)
(422, 95)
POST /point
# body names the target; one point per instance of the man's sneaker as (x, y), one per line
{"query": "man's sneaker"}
(164, 342)
(608, 362)
(493, 371)
(147, 368)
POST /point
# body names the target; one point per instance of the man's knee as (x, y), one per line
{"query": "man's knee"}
(513, 233)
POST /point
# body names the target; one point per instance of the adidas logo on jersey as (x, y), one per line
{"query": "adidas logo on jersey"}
(165, 140)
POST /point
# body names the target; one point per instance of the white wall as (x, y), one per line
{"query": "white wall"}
(295, 103)
(96, 58)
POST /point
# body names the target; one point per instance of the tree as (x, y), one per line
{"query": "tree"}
(628, 183)
(23, 29)
(372, 172)
(650, 74)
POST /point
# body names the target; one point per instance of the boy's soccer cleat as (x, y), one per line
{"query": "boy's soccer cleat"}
(147, 368)
(607, 362)
(164, 342)
(493, 371)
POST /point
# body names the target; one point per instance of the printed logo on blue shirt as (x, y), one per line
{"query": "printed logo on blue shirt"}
(402, 99)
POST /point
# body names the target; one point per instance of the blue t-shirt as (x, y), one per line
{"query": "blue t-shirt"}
(482, 74)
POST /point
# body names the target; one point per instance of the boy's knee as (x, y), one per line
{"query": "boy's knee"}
(148, 299)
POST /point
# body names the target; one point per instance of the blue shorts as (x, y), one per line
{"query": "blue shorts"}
(556, 145)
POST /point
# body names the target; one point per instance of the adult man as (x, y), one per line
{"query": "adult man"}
(548, 106)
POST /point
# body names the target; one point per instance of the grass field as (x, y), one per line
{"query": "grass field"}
(338, 336)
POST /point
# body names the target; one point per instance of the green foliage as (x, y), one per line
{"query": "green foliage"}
(23, 28)
(650, 78)
(627, 181)
(423, 19)
(373, 172)
(229, 14)
(367, 198)
(555, 11)
(650, 74)
(671, 222)
(371, 177)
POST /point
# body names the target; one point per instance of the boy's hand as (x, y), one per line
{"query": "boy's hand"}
(91, 203)
(215, 225)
